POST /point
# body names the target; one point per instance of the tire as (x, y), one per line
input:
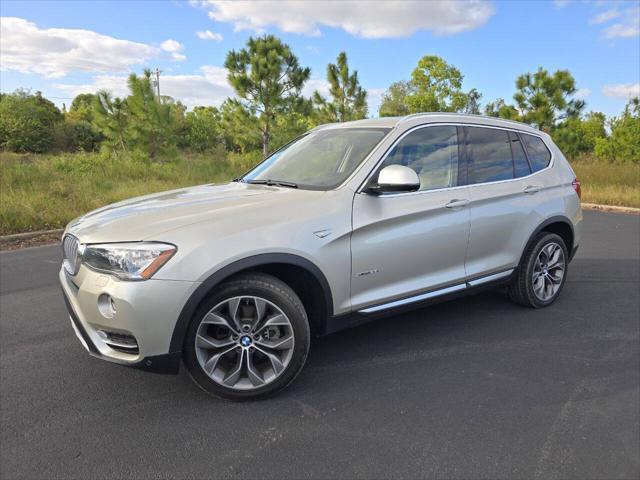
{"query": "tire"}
(265, 340)
(527, 292)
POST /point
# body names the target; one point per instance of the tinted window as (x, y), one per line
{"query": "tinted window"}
(539, 154)
(520, 162)
(432, 152)
(490, 154)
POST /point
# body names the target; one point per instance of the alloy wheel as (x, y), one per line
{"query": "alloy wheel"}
(244, 342)
(548, 271)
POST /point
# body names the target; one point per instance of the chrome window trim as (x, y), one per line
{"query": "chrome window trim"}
(363, 185)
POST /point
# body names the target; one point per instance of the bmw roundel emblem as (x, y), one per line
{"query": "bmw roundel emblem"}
(245, 340)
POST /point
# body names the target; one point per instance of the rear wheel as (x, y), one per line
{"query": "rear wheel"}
(249, 339)
(542, 274)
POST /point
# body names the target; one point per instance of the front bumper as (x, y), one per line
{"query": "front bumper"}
(147, 311)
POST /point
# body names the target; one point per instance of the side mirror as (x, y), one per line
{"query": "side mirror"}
(396, 178)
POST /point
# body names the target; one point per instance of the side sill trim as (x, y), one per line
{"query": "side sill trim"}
(417, 298)
(437, 293)
(489, 278)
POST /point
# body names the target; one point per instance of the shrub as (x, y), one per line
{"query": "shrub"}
(27, 122)
(75, 135)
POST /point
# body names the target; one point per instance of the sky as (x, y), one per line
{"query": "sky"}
(66, 48)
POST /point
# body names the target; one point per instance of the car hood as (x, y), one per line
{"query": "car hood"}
(142, 218)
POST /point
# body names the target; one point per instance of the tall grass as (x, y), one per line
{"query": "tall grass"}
(608, 183)
(46, 191)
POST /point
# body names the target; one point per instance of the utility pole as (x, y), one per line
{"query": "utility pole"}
(158, 72)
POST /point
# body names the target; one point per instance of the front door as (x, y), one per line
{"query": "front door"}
(404, 244)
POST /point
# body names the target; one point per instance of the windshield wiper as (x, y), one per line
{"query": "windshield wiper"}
(272, 183)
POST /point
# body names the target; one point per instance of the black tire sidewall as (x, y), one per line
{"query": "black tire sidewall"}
(537, 247)
(273, 290)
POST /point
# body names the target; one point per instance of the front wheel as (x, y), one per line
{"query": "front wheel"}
(249, 339)
(542, 273)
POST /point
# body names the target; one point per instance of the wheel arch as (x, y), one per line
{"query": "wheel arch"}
(271, 263)
(559, 225)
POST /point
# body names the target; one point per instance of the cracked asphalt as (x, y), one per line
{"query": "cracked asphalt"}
(472, 388)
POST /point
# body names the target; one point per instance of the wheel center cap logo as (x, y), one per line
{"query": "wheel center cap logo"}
(245, 340)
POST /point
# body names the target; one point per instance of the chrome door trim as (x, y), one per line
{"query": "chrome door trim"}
(437, 293)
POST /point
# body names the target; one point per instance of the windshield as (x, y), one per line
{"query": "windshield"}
(318, 160)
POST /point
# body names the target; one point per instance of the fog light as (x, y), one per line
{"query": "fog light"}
(106, 306)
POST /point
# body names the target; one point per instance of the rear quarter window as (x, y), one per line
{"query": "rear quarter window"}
(520, 162)
(539, 154)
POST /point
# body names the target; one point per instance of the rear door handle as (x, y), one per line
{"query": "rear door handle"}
(457, 203)
(532, 189)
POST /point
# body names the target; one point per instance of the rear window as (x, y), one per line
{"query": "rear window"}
(539, 154)
(490, 154)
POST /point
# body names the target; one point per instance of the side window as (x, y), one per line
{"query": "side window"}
(432, 152)
(520, 162)
(490, 153)
(539, 154)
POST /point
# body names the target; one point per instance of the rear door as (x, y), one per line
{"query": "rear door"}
(503, 201)
(407, 243)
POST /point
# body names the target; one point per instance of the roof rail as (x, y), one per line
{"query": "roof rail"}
(468, 115)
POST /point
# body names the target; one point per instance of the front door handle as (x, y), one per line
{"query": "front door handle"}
(457, 203)
(532, 189)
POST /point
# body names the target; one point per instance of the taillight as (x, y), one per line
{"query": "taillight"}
(576, 186)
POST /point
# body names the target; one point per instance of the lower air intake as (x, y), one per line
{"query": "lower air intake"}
(120, 342)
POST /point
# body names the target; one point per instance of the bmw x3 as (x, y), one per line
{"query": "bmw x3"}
(347, 223)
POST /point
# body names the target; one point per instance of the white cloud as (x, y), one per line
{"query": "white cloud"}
(209, 35)
(174, 48)
(627, 27)
(210, 87)
(622, 90)
(367, 19)
(627, 22)
(171, 46)
(582, 93)
(54, 52)
(604, 17)
(621, 30)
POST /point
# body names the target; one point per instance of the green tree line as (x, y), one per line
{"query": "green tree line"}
(269, 109)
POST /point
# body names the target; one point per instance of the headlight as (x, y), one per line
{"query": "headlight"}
(128, 261)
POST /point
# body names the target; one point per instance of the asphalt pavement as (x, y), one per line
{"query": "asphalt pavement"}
(472, 388)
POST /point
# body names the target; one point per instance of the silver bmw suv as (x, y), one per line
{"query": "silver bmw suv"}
(347, 223)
